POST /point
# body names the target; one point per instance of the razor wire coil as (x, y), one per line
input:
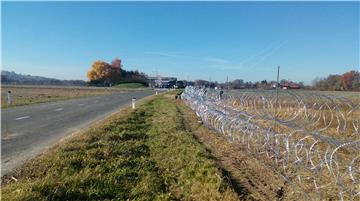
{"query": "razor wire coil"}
(315, 145)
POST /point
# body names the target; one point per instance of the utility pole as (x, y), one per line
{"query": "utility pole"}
(277, 97)
(227, 91)
(227, 82)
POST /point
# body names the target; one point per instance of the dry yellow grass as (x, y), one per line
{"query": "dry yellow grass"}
(25, 95)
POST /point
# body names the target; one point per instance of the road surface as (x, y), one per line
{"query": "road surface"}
(29, 130)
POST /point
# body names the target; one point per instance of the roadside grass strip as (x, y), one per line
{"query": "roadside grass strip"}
(149, 154)
(130, 85)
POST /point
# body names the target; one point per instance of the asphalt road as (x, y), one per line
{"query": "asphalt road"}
(29, 130)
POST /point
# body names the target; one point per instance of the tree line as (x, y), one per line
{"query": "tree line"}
(349, 81)
(10, 77)
(241, 84)
(105, 74)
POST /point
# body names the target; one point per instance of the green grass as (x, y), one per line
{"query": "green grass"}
(130, 85)
(148, 155)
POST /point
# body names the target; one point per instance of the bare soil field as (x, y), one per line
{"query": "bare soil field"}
(25, 95)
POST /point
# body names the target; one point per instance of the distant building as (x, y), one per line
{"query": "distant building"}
(286, 85)
(273, 84)
(290, 86)
(162, 82)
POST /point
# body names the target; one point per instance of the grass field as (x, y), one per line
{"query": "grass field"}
(146, 154)
(160, 151)
(130, 85)
(330, 109)
(25, 95)
(309, 125)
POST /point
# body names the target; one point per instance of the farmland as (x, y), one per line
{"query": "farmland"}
(244, 145)
(181, 101)
(309, 138)
(25, 95)
(146, 154)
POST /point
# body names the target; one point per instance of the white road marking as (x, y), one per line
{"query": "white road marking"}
(59, 109)
(81, 104)
(7, 136)
(24, 117)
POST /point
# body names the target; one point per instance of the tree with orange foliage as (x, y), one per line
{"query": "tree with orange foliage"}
(349, 78)
(349, 81)
(116, 63)
(102, 72)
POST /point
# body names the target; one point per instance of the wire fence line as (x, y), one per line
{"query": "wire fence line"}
(315, 145)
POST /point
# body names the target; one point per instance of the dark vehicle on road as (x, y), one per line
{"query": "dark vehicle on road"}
(180, 84)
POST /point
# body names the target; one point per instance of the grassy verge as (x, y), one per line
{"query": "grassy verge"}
(149, 154)
(130, 85)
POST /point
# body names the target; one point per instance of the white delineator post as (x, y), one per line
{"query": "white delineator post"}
(9, 97)
(156, 93)
(133, 103)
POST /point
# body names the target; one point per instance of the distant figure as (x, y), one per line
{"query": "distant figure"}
(221, 94)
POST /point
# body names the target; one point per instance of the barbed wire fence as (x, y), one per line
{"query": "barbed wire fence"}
(315, 146)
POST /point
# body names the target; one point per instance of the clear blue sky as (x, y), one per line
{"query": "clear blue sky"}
(195, 40)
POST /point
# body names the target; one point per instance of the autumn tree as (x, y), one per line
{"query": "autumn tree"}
(116, 63)
(109, 74)
(349, 81)
(102, 72)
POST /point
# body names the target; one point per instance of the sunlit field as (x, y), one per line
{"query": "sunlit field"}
(25, 95)
(310, 138)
